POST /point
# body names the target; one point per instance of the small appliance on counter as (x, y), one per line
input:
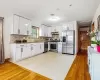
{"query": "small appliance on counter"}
(21, 41)
(17, 41)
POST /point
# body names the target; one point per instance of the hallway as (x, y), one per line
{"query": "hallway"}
(79, 68)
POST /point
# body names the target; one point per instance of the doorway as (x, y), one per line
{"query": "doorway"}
(84, 39)
(2, 58)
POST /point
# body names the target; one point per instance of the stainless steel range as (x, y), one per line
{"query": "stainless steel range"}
(54, 46)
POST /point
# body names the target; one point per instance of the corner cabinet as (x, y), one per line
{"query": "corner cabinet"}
(20, 25)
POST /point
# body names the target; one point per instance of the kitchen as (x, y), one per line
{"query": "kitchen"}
(29, 42)
(28, 38)
(41, 39)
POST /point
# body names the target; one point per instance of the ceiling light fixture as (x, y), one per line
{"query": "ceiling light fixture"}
(54, 18)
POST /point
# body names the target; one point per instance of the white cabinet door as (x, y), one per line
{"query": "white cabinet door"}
(53, 29)
(95, 66)
(18, 54)
(49, 32)
(70, 26)
(23, 26)
(33, 49)
(25, 52)
(38, 48)
(16, 24)
(41, 47)
(29, 27)
(41, 31)
(45, 31)
(28, 51)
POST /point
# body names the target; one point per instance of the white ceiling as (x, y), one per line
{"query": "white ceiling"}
(40, 10)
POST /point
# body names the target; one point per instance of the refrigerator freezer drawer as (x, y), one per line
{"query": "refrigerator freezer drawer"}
(68, 50)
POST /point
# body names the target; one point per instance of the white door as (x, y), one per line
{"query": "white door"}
(18, 54)
(16, 25)
(23, 26)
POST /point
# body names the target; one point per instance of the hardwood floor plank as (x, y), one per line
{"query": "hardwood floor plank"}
(10, 71)
(79, 68)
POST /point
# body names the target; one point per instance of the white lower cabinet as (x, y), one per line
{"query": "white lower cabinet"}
(22, 51)
(26, 52)
(18, 54)
(41, 47)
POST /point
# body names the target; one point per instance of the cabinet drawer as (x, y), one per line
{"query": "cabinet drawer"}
(21, 45)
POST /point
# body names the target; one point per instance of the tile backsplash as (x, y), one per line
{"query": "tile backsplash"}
(13, 38)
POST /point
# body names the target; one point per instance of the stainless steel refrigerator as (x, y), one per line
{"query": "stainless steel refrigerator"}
(68, 45)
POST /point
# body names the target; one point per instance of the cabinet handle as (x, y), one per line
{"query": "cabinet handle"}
(18, 31)
(21, 49)
(89, 62)
(31, 48)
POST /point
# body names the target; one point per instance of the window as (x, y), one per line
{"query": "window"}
(35, 32)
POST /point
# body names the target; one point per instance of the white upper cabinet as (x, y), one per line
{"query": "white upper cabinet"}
(45, 31)
(29, 27)
(41, 30)
(23, 26)
(53, 29)
(68, 26)
(19, 25)
(49, 32)
(16, 24)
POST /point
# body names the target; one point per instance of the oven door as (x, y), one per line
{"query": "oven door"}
(53, 46)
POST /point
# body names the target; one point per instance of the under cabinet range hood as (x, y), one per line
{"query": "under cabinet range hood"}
(55, 33)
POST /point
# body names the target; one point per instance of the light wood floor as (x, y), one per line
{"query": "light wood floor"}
(10, 71)
(79, 68)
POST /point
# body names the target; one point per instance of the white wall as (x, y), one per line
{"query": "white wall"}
(76, 36)
(84, 29)
(6, 34)
(96, 16)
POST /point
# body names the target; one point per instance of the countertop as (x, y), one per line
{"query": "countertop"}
(29, 42)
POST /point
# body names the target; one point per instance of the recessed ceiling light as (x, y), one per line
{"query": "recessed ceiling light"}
(70, 5)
